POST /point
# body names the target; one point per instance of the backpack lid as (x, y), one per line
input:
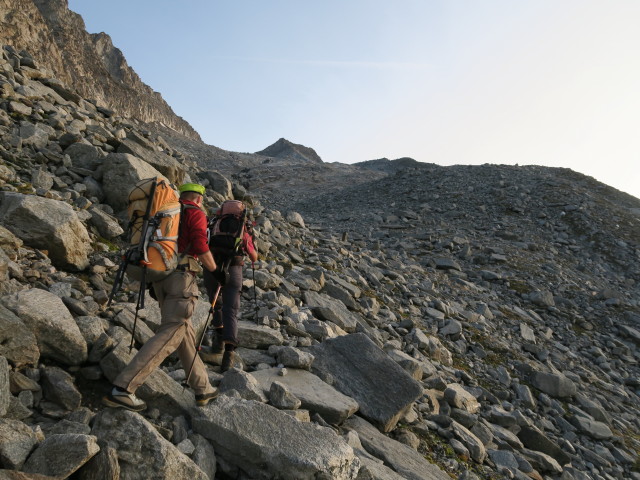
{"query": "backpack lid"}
(231, 207)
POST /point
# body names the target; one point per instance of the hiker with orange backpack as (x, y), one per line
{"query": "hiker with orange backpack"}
(177, 295)
(231, 237)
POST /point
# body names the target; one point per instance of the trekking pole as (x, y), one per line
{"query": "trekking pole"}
(255, 296)
(139, 305)
(204, 331)
(117, 281)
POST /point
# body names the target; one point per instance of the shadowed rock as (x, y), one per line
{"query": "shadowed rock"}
(534, 439)
(554, 384)
(17, 343)
(61, 455)
(403, 459)
(355, 366)
(16, 442)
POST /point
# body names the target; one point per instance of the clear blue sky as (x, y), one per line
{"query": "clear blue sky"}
(543, 82)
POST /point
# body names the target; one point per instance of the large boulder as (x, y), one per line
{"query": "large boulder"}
(85, 156)
(18, 344)
(554, 384)
(251, 335)
(121, 172)
(16, 442)
(166, 165)
(49, 225)
(62, 454)
(535, 439)
(593, 428)
(219, 183)
(358, 368)
(330, 309)
(265, 443)
(108, 227)
(142, 452)
(314, 394)
(58, 386)
(57, 333)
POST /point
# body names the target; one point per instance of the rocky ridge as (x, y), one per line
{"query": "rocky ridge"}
(432, 323)
(55, 38)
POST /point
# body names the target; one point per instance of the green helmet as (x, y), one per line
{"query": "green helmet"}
(192, 187)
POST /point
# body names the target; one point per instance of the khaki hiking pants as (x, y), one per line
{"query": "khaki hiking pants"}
(177, 295)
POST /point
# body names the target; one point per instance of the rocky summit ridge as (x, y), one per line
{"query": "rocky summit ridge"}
(410, 321)
(56, 39)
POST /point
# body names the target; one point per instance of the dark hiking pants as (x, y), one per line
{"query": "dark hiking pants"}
(225, 313)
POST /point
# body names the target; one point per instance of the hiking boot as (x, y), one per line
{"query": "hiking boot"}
(203, 399)
(227, 360)
(119, 398)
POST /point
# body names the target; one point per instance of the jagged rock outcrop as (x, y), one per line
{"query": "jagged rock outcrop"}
(56, 39)
(285, 149)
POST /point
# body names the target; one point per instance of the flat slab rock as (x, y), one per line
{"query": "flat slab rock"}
(358, 368)
(266, 443)
(315, 395)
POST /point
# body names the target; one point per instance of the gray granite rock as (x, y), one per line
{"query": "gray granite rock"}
(59, 387)
(17, 441)
(57, 333)
(314, 394)
(102, 466)
(251, 335)
(121, 172)
(458, 397)
(593, 428)
(330, 309)
(263, 442)
(49, 225)
(534, 439)
(281, 397)
(61, 455)
(554, 384)
(404, 460)
(243, 383)
(141, 449)
(346, 363)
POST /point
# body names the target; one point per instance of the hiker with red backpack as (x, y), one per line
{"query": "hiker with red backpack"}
(231, 238)
(177, 294)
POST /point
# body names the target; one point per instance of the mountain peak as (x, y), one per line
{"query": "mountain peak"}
(283, 148)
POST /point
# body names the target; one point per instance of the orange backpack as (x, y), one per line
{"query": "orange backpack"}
(154, 221)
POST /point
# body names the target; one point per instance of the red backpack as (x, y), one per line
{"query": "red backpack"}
(226, 229)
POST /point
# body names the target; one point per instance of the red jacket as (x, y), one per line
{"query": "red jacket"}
(247, 243)
(193, 230)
